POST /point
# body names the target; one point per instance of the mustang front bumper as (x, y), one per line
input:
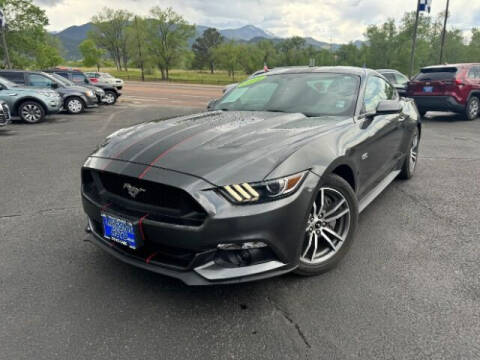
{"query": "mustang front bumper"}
(194, 249)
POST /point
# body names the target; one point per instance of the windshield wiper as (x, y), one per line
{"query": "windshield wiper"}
(287, 112)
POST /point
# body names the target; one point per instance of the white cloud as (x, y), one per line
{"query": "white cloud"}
(339, 20)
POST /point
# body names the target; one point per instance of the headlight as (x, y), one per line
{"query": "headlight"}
(262, 191)
(90, 93)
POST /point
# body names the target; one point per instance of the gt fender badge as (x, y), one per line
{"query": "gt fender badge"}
(365, 156)
(132, 190)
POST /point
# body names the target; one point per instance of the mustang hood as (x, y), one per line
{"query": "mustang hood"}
(219, 147)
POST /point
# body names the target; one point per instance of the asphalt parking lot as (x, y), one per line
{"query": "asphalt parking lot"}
(408, 289)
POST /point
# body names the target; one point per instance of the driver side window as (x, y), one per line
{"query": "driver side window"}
(377, 90)
(39, 81)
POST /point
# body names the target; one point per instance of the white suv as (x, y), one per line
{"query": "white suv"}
(105, 78)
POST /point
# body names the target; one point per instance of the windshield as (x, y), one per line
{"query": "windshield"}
(313, 94)
(63, 80)
(7, 83)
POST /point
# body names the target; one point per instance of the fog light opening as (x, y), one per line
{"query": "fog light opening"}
(243, 254)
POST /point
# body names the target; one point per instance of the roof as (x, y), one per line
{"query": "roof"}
(387, 70)
(316, 69)
(449, 65)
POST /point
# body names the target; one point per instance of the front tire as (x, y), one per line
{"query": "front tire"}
(110, 97)
(472, 108)
(410, 163)
(74, 105)
(330, 227)
(31, 112)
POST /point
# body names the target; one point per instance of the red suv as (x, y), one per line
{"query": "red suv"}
(453, 87)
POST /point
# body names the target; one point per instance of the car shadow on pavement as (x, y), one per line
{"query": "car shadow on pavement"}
(443, 117)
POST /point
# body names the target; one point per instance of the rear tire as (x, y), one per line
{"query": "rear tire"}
(472, 108)
(31, 112)
(110, 97)
(74, 105)
(410, 163)
(329, 234)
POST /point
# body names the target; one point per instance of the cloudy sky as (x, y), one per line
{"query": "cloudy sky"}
(339, 20)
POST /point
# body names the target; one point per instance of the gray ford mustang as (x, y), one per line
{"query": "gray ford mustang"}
(270, 180)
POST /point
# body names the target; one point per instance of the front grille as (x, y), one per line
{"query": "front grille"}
(162, 202)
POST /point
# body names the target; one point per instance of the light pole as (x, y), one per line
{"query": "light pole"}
(444, 33)
(414, 41)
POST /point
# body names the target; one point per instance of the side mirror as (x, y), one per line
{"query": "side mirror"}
(211, 104)
(389, 107)
(86, 81)
(54, 86)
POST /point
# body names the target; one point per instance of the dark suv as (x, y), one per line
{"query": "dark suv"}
(397, 79)
(75, 98)
(79, 78)
(454, 87)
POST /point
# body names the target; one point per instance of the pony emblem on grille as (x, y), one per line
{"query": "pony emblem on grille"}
(132, 190)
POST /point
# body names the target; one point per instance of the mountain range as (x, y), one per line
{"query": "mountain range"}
(72, 36)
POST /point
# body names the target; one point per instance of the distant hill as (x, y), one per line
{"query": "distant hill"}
(245, 33)
(72, 36)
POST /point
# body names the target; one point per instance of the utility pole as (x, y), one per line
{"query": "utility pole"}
(414, 42)
(444, 33)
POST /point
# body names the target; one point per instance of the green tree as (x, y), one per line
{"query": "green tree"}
(48, 53)
(28, 41)
(204, 46)
(228, 56)
(250, 58)
(110, 33)
(349, 55)
(474, 46)
(292, 51)
(168, 38)
(268, 52)
(138, 35)
(92, 55)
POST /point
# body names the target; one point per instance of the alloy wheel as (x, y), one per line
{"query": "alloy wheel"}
(109, 98)
(31, 113)
(327, 228)
(75, 106)
(413, 154)
(473, 108)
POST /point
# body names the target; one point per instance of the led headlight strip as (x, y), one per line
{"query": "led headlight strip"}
(242, 193)
(262, 191)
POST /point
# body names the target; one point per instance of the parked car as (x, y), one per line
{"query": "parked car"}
(229, 87)
(453, 87)
(102, 77)
(4, 114)
(31, 105)
(397, 79)
(75, 98)
(271, 181)
(99, 93)
(79, 78)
